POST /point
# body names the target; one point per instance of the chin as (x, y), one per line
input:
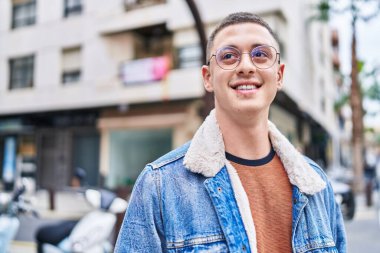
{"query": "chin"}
(249, 109)
(250, 105)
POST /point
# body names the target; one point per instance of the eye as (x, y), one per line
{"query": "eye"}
(229, 55)
(259, 53)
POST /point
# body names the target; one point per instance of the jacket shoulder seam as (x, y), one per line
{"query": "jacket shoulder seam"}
(167, 161)
(170, 157)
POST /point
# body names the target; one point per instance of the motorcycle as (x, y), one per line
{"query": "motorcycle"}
(345, 197)
(92, 232)
(11, 206)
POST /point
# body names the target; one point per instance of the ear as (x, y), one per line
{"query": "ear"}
(280, 76)
(206, 75)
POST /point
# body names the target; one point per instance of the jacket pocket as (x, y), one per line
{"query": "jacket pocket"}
(321, 243)
(215, 244)
(313, 236)
(321, 250)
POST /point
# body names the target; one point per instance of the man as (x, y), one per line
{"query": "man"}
(239, 185)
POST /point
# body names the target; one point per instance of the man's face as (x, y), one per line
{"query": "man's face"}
(245, 89)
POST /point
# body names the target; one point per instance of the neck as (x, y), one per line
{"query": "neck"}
(247, 137)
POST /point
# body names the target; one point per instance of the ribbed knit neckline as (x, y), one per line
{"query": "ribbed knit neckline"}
(247, 162)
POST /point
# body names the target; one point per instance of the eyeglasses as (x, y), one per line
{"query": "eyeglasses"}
(263, 57)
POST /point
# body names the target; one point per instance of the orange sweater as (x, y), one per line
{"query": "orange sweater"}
(270, 197)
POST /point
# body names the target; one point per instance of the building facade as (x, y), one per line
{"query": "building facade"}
(111, 85)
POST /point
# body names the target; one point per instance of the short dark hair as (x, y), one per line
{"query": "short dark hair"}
(238, 18)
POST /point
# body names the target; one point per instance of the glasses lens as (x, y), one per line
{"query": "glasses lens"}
(263, 56)
(228, 57)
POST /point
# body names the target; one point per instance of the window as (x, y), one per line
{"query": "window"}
(71, 76)
(73, 8)
(23, 13)
(71, 59)
(21, 72)
(152, 41)
(130, 150)
(189, 56)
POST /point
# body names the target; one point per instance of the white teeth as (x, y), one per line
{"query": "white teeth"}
(246, 87)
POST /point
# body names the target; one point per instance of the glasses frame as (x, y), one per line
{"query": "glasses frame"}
(241, 53)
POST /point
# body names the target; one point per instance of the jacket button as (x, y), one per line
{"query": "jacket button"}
(295, 201)
(243, 248)
(219, 189)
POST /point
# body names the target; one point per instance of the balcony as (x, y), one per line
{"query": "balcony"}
(145, 70)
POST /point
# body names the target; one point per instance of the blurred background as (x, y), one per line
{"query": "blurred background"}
(108, 86)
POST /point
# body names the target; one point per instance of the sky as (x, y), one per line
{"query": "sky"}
(368, 50)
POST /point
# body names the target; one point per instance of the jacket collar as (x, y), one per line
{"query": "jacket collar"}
(206, 156)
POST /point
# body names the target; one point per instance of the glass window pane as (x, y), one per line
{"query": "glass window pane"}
(71, 77)
(73, 7)
(131, 150)
(71, 65)
(21, 72)
(24, 14)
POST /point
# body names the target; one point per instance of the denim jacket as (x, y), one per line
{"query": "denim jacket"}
(192, 200)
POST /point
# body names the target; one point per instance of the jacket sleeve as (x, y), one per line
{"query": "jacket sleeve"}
(340, 233)
(336, 221)
(141, 230)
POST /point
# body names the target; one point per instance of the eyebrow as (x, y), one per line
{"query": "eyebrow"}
(259, 44)
(253, 46)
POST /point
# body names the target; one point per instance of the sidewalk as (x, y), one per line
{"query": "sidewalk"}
(23, 247)
(363, 233)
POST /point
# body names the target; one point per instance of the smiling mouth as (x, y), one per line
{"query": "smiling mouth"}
(246, 87)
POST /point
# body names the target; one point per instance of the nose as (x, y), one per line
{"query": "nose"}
(246, 65)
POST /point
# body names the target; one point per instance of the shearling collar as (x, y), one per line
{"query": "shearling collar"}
(206, 155)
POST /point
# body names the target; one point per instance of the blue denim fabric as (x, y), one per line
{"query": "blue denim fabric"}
(174, 210)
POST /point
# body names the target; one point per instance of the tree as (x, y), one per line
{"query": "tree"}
(369, 81)
(327, 8)
(373, 77)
